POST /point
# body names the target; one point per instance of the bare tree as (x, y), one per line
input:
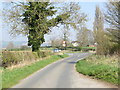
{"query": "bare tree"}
(99, 33)
(113, 19)
(10, 45)
(76, 18)
(24, 47)
(12, 17)
(55, 42)
(82, 36)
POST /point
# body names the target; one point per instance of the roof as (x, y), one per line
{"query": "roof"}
(75, 42)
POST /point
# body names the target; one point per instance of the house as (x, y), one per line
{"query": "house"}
(92, 45)
(75, 43)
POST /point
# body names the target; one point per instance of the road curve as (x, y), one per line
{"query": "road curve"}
(62, 74)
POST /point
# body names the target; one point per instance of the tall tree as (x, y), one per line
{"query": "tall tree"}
(99, 31)
(35, 16)
(82, 36)
(113, 19)
(10, 45)
(76, 18)
(56, 42)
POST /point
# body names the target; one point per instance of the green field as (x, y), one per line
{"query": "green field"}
(12, 77)
(100, 67)
(88, 47)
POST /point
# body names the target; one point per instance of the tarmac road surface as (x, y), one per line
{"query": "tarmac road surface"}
(62, 74)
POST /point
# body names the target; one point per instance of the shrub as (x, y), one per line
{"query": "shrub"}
(76, 49)
(85, 49)
(15, 57)
(42, 54)
(24, 47)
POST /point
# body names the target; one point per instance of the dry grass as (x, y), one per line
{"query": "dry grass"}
(107, 60)
(21, 58)
(25, 63)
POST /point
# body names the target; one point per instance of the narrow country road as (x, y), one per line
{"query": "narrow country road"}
(62, 74)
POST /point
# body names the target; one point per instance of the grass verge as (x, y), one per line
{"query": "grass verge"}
(99, 67)
(12, 77)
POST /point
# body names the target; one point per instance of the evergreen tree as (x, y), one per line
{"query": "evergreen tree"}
(36, 17)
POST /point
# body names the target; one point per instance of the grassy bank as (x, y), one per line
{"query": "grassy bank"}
(12, 77)
(0, 78)
(100, 67)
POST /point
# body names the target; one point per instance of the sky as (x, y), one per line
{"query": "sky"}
(86, 7)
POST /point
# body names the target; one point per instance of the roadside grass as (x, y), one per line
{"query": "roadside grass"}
(74, 52)
(100, 67)
(12, 77)
(0, 78)
(88, 47)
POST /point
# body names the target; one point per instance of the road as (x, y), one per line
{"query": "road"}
(62, 74)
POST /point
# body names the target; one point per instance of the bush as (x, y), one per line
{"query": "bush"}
(42, 54)
(76, 48)
(24, 47)
(15, 57)
(86, 49)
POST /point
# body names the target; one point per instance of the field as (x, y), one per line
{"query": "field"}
(12, 77)
(100, 67)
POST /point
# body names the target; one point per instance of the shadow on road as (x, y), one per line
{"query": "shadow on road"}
(72, 62)
(61, 56)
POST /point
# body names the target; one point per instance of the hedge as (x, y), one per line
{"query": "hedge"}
(15, 57)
